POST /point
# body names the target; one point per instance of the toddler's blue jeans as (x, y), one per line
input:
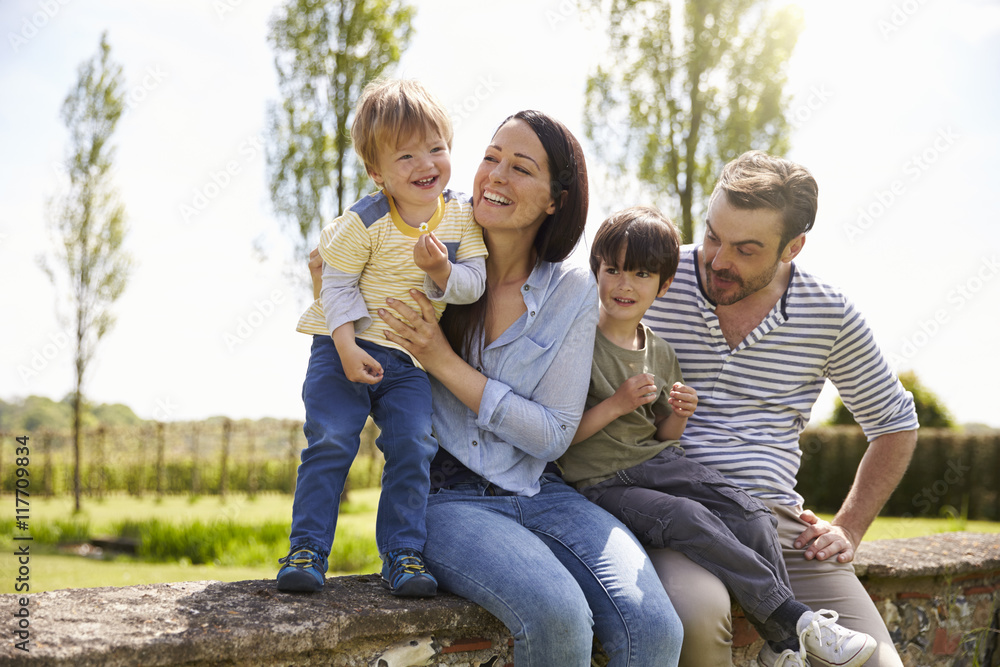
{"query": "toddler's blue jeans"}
(336, 412)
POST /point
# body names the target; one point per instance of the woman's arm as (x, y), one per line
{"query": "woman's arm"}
(539, 419)
(421, 335)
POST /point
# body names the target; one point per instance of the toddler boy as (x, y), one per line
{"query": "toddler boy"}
(412, 234)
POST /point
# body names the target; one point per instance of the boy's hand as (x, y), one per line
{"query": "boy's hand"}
(683, 399)
(635, 391)
(359, 365)
(431, 256)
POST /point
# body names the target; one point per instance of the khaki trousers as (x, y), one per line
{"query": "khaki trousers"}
(703, 603)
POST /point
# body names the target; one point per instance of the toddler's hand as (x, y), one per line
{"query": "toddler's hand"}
(431, 256)
(359, 366)
(683, 399)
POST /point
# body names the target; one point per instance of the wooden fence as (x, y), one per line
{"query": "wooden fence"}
(214, 457)
(951, 473)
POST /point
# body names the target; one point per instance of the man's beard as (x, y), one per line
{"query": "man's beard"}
(744, 288)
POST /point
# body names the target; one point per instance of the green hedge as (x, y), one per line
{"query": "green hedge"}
(951, 472)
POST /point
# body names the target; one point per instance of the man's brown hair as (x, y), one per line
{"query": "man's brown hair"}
(756, 180)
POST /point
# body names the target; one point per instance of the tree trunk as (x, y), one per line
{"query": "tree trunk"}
(77, 437)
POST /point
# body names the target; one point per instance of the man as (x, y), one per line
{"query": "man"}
(756, 337)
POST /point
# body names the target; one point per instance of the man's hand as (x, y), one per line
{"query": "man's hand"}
(823, 540)
(431, 256)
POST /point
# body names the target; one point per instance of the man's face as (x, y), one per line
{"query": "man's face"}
(741, 250)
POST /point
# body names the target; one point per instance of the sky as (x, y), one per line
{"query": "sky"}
(894, 111)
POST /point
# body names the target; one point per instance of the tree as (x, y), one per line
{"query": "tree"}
(931, 412)
(681, 96)
(90, 222)
(325, 53)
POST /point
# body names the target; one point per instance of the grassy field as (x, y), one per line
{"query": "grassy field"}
(52, 569)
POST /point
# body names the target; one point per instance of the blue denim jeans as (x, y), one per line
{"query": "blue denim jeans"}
(336, 411)
(556, 570)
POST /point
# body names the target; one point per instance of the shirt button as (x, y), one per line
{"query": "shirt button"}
(562, 426)
(475, 444)
(532, 313)
(525, 288)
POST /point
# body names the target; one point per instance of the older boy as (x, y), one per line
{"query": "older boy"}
(626, 456)
(412, 234)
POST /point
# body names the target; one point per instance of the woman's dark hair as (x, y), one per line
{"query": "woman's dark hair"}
(559, 232)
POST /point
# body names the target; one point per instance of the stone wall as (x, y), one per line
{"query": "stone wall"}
(939, 596)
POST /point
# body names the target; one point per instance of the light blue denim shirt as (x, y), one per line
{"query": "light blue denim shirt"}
(538, 373)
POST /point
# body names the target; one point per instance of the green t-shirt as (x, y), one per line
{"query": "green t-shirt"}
(630, 439)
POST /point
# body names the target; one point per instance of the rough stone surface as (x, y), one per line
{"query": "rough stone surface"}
(943, 554)
(351, 622)
(939, 597)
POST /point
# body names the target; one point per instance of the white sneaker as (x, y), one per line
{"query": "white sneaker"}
(827, 643)
(788, 658)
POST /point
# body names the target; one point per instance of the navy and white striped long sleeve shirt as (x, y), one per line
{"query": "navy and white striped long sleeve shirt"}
(755, 400)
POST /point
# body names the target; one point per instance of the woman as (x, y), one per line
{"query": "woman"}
(509, 381)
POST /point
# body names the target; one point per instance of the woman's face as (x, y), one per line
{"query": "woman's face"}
(511, 190)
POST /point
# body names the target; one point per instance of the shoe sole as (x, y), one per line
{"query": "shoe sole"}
(859, 659)
(417, 587)
(296, 581)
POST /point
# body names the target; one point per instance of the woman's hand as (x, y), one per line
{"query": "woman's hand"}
(316, 271)
(418, 333)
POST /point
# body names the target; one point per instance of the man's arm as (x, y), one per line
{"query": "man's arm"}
(878, 474)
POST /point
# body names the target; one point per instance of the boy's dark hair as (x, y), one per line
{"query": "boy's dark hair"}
(649, 238)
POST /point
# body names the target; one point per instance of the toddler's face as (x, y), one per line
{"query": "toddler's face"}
(415, 173)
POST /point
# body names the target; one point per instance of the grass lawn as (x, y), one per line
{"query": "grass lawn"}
(52, 570)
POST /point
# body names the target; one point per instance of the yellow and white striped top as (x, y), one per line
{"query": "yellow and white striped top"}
(372, 245)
